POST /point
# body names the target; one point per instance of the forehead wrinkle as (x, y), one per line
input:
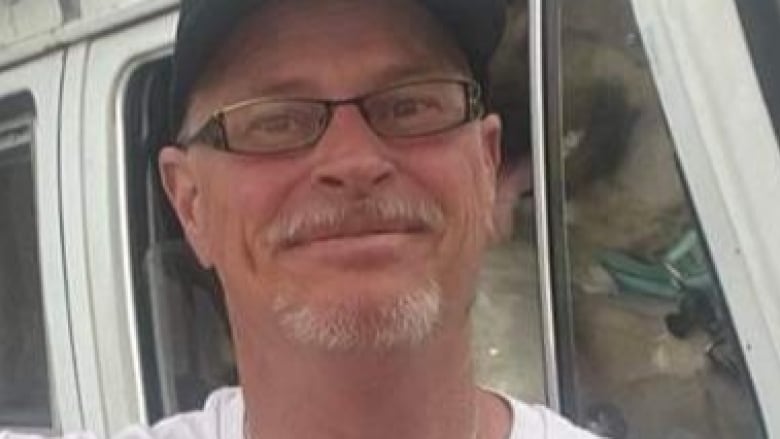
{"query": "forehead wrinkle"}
(301, 86)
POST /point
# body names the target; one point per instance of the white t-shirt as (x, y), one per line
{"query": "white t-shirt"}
(222, 418)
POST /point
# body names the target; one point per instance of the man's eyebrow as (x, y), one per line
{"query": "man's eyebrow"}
(304, 87)
(284, 87)
(403, 72)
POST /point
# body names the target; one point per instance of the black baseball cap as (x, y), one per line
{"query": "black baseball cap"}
(476, 25)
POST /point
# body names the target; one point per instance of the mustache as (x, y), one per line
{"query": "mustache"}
(370, 215)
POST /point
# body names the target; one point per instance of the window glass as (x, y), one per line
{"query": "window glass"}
(184, 332)
(655, 353)
(186, 350)
(507, 319)
(24, 376)
(761, 23)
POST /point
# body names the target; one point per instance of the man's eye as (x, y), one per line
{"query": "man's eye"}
(278, 124)
(413, 107)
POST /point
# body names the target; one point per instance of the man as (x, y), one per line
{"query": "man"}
(335, 166)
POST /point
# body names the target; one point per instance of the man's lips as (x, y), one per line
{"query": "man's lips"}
(373, 222)
(354, 230)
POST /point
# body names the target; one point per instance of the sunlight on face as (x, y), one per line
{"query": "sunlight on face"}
(359, 242)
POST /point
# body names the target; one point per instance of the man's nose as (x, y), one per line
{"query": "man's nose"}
(351, 159)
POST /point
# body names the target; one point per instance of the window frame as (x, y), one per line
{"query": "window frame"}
(96, 213)
(731, 191)
(730, 196)
(41, 78)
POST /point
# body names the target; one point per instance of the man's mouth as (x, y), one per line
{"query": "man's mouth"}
(354, 230)
(353, 222)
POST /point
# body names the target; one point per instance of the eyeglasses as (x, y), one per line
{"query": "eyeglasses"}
(413, 109)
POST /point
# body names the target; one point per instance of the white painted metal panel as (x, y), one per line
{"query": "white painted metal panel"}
(22, 19)
(80, 29)
(76, 257)
(539, 155)
(42, 79)
(90, 8)
(103, 226)
(731, 160)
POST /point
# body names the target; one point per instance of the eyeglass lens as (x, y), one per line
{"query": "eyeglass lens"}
(404, 111)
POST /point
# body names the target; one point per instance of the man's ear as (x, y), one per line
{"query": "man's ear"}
(510, 180)
(179, 180)
(513, 181)
(491, 139)
(491, 160)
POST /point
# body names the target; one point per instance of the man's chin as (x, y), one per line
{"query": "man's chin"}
(405, 321)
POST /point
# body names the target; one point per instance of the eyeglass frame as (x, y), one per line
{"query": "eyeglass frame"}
(213, 132)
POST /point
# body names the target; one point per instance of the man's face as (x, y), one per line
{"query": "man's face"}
(359, 241)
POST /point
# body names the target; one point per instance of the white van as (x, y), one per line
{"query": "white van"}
(639, 293)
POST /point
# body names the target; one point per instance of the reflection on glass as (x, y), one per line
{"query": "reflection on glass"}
(24, 380)
(507, 323)
(656, 354)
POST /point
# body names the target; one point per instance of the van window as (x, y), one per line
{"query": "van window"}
(183, 328)
(761, 22)
(25, 399)
(508, 335)
(652, 351)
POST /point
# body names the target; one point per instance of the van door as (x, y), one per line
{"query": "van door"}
(95, 218)
(38, 386)
(662, 173)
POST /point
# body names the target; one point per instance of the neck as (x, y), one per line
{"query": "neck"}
(423, 392)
